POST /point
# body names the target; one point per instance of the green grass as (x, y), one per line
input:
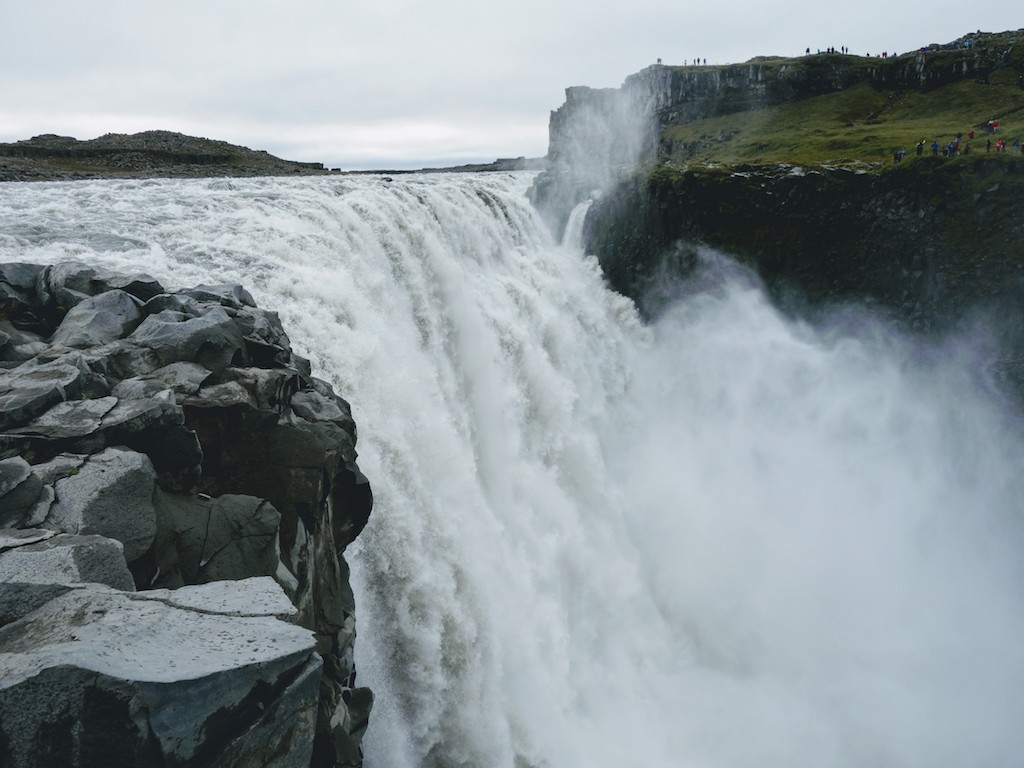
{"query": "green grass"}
(864, 123)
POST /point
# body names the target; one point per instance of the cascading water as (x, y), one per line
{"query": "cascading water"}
(727, 539)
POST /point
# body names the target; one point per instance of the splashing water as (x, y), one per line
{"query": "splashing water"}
(727, 539)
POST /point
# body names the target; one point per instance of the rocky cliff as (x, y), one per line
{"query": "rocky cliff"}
(599, 137)
(925, 242)
(176, 494)
(931, 242)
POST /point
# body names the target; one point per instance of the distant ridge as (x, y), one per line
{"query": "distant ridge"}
(141, 155)
(165, 154)
(501, 164)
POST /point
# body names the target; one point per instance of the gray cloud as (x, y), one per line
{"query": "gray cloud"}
(394, 83)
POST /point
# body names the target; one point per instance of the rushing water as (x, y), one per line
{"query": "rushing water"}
(727, 539)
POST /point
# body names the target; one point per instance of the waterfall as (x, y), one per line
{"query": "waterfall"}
(728, 539)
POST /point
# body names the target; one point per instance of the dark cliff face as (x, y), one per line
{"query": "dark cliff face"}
(927, 243)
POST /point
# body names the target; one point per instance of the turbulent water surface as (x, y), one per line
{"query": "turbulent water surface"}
(726, 539)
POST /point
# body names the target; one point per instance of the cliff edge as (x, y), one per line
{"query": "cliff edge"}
(176, 495)
(893, 182)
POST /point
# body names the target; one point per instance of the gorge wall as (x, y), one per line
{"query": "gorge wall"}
(599, 137)
(176, 495)
(929, 243)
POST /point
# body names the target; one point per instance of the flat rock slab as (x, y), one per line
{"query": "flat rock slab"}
(191, 682)
(64, 559)
(258, 596)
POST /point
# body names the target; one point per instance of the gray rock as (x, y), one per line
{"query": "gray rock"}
(200, 540)
(99, 677)
(70, 419)
(21, 345)
(174, 302)
(312, 406)
(227, 294)
(11, 538)
(133, 417)
(18, 299)
(261, 596)
(224, 395)
(183, 379)
(205, 386)
(99, 319)
(64, 559)
(19, 599)
(30, 390)
(20, 275)
(121, 359)
(212, 340)
(265, 339)
(68, 283)
(60, 466)
(20, 489)
(112, 495)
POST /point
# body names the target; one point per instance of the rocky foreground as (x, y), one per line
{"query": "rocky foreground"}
(176, 493)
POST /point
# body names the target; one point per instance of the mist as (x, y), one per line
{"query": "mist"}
(827, 520)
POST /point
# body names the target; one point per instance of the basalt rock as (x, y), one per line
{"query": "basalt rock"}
(159, 440)
(208, 676)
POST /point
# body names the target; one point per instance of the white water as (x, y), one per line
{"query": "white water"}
(725, 540)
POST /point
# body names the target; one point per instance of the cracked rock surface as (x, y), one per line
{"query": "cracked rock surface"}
(176, 493)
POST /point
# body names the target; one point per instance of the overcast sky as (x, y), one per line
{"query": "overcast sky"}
(392, 83)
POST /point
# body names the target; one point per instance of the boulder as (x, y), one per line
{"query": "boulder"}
(20, 490)
(64, 559)
(30, 390)
(111, 495)
(19, 345)
(68, 283)
(200, 539)
(183, 379)
(100, 677)
(94, 321)
(212, 339)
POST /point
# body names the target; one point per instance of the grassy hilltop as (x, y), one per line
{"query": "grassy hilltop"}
(869, 120)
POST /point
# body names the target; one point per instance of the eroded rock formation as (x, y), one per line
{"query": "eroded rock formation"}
(176, 493)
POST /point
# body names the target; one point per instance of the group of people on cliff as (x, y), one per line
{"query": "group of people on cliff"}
(958, 146)
(844, 50)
